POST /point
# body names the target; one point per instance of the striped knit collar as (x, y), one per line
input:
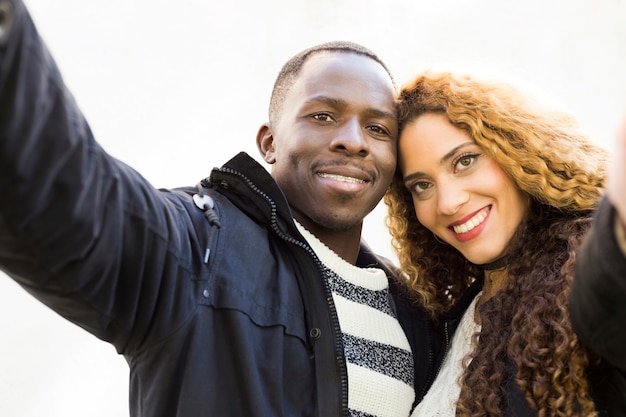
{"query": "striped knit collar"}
(371, 278)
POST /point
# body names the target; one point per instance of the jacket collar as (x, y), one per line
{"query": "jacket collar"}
(251, 187)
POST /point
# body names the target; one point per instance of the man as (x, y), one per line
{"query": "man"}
(248, 295)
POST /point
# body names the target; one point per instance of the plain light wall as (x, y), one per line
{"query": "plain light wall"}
(175, 88)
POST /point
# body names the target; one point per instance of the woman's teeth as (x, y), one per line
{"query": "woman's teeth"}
(471, 223)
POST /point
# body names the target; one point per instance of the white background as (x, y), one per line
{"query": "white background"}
(176, 87)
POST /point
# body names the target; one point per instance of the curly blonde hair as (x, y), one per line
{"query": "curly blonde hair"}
(525, 324)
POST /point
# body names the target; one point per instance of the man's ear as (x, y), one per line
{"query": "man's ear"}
(265, 143)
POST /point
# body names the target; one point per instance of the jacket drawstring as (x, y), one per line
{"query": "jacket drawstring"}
(207, 205)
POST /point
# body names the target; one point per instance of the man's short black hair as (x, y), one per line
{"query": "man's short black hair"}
(291, 69)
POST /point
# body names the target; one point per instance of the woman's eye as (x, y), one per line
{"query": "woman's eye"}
(464, 161)
(420, 187)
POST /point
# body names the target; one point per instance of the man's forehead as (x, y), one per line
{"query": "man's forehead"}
(336, 69)
(338, 59)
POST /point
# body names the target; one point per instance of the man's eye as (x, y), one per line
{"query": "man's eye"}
(322, 117)
(379, 130)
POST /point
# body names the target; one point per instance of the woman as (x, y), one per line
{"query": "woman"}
(492, 198)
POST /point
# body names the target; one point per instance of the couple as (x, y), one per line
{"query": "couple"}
(252, 294)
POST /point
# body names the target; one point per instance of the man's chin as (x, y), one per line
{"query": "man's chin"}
(339, 225)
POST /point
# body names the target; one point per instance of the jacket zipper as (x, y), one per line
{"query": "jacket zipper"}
(343, 372)
(430, 381)
(329, 297)
(445, 350)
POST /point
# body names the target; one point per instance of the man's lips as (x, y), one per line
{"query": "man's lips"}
(344, 172)
(475, 220)
(342, 178)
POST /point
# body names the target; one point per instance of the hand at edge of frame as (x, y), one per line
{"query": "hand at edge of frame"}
(616, 185)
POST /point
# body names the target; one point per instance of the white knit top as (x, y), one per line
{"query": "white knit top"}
(441, 398)
(378, 355)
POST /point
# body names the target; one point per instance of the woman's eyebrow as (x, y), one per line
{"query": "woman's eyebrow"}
(442, 161)
(454, 151)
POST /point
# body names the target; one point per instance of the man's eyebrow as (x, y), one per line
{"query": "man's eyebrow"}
(327, 100)
(383, 114)
(341, 102)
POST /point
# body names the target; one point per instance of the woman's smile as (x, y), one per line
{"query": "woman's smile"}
(469, 225)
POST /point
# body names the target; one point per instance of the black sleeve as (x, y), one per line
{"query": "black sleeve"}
(81, 231)
(598, 294)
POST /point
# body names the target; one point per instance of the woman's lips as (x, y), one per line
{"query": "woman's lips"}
(470, 224)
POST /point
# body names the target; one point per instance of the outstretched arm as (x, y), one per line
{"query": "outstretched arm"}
(598, 296)
(79, 230)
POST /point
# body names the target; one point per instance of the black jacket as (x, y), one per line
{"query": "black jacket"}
(218, 305)
(598, 308)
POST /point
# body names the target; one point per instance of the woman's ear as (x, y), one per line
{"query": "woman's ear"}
(265, 143)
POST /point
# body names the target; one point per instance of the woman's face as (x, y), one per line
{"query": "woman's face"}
(459, 193)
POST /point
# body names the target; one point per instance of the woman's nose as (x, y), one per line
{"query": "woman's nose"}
(451, 197)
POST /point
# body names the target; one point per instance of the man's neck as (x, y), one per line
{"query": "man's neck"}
(344, 243)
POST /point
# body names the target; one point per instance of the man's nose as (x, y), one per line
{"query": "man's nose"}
(351, 137)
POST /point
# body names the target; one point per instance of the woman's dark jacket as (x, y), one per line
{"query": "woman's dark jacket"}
(598, 307)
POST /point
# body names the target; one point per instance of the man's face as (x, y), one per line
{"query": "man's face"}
(333, 149)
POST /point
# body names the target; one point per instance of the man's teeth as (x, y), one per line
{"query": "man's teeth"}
(342, 178)
(471, 223)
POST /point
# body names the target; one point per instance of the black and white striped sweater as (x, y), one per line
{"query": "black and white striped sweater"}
(378, 355)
